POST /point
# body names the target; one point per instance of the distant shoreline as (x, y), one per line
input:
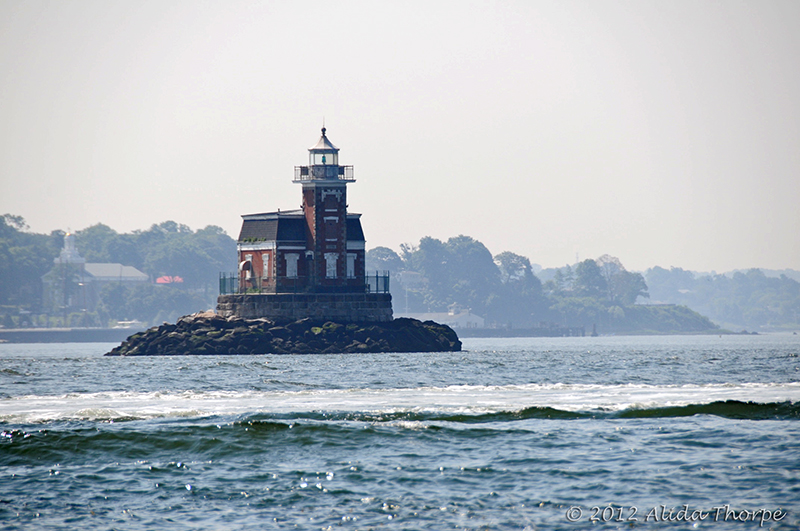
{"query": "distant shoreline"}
(544, 332)
(66, 335)
(117, 335)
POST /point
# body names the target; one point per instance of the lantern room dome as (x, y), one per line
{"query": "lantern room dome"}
(323, 144)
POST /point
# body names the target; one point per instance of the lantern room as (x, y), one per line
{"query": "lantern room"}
(323, 153)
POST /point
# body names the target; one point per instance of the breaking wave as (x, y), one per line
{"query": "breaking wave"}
(464, 404)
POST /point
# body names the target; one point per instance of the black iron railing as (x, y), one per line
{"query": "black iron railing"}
(231, 283)
(228, 283)
(378, 283)
(313, 173)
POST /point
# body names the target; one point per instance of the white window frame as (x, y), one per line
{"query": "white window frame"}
(331, 263)
(291, 264)
(265, 270)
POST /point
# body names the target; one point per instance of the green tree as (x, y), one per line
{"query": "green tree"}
(513, 267)
(113, 298)
(520, 299)
(562, 282)
(430, 259)
(24, 258)
(384, 259)
(477, 278)
(178, 256)
(626, 287)
(623, 287)
(578, 311)
(589, 280)
(460, 271)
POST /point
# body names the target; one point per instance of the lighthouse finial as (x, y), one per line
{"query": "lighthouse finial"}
(323, 126)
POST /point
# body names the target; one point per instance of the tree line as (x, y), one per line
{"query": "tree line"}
(434, 275)
(165, 249)
(744, 299)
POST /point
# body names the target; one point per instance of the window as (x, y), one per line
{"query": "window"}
(324, 158)
(331, 229)
(331, 260)
(291, 264)
(248, 266)
(331, 203)
(265, 272)
(351, 265)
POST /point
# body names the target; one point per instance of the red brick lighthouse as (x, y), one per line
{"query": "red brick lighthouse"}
(308, 262)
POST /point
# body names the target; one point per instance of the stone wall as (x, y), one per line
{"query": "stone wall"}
(339, 307)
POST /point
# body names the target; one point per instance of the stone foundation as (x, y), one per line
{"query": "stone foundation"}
(338, 307)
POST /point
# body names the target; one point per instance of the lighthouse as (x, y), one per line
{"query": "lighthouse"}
(315, 254)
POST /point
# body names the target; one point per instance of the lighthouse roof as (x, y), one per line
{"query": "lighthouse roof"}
(288, 225)
(323, 144)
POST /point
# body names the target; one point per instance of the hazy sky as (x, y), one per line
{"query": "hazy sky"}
(663, 133)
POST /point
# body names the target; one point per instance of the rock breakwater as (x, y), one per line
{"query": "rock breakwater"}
(209, 333)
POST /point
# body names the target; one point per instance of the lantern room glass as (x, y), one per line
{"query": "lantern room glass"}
(317, 158)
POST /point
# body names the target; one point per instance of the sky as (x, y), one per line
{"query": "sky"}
(662, 133)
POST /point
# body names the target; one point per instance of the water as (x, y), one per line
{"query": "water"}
(510, 434)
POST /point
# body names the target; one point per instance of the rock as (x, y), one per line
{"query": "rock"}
(280, 332)
(298, 327)
(207, 333)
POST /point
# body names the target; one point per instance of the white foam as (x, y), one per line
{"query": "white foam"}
(460, 399)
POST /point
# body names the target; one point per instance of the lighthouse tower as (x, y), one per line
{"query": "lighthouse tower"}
(334, 260)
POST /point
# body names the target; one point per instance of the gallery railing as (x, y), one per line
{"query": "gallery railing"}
(313, 173)
(231, 283)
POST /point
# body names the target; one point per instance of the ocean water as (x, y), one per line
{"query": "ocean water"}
(525, 433)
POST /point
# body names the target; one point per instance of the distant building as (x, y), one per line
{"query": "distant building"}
(166, 279)
(315, 253)
(74, 285)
